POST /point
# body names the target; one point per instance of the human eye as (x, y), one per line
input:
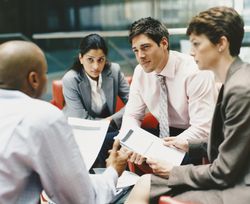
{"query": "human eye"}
(195, 44)
(90, 60)
(135, 51)
(101, 60)
(145, 47)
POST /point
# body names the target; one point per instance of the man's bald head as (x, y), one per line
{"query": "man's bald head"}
(22, 67)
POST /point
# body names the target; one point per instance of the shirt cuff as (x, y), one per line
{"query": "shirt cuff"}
(110, 172)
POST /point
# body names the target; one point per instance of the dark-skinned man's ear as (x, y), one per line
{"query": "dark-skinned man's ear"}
(33, 81)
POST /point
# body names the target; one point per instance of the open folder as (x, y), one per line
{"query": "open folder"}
(150, 146)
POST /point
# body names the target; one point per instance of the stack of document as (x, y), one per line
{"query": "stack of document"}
(89, 135)
(150, 146)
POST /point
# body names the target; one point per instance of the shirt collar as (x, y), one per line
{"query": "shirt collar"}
(7, 93)
(169, 69)
(94, 83)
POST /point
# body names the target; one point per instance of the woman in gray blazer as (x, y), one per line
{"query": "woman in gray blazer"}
(91, 87)
(92, 84)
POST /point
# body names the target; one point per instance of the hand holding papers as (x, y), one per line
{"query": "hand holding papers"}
(150, 146)
(89, 135)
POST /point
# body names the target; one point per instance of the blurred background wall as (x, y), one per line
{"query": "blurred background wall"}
(58, 25)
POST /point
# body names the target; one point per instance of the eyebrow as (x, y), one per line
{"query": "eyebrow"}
(133, 48)
(95, 57)
(142, 45)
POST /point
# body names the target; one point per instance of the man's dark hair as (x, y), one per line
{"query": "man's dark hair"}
(150, 27)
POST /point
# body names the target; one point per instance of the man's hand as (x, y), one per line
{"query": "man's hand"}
(177, 142)
(118, 157)
(160, 168)
(137, 158)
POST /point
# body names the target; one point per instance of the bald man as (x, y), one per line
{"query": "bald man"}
(38, 150)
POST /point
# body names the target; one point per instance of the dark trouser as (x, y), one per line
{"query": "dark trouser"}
(107, 145)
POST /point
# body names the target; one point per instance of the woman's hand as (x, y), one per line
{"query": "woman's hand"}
(160, 168)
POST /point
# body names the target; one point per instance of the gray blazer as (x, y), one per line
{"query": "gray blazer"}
(77, 93)
(227, 178)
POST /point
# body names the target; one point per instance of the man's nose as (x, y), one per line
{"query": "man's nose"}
(141, 54)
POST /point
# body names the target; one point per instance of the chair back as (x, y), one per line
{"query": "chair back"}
(57, 94)
(58, 98)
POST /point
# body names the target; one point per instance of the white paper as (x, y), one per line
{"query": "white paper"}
(127, 178)
(89, 135)
(150, 146)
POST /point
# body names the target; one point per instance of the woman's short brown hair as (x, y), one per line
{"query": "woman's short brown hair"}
(217, 22)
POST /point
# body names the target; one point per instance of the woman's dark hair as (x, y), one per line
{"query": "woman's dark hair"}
(89, 42)
(217, 22)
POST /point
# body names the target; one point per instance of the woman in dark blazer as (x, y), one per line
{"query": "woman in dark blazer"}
(91, 87)
(92, 84)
